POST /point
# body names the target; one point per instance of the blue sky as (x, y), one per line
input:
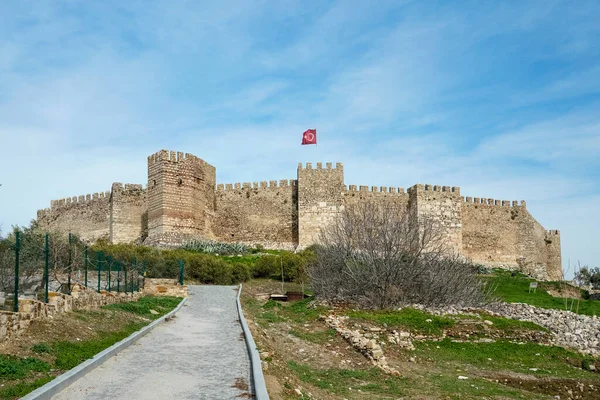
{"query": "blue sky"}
(500, 98)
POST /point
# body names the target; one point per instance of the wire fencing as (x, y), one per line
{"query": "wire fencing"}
(34, 264)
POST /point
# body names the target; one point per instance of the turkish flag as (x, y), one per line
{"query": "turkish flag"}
(309, 137)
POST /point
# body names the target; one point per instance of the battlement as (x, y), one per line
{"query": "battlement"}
(493, 202)
(434, 188)
(376, 189)
(328, 166)
(282, 183)
(127, 187)
(79, 199)
(172, 156)
(553, 232)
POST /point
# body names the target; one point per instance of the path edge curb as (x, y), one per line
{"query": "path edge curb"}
(62, 381)
(258, 379)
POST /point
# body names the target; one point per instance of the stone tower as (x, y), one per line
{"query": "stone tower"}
(320, 198)
(437, 209)
(181, 197)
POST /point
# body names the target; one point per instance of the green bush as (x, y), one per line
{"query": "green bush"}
(240, 272)
(265, 267)
(293, 264)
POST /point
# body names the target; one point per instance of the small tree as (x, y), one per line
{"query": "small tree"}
(377, 255)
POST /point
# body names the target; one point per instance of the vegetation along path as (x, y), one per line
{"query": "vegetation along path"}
(199, 354)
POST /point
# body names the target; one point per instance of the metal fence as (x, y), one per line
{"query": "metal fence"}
(33, 263)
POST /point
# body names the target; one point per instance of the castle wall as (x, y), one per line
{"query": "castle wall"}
(501, 233)
(320, 198)
(438, 212)
(128, 213)
(87, 216)
(265, 213)
(182, 201)
(181, 197)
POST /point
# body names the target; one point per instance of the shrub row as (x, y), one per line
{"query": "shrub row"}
(206, 268)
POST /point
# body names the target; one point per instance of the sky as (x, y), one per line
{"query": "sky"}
(499, 98)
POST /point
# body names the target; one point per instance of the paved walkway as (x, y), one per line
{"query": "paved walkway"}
(200, 354)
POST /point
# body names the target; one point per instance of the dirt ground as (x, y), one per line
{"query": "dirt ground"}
(283, 340)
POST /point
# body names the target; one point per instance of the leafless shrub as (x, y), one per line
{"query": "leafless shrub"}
(378, 256)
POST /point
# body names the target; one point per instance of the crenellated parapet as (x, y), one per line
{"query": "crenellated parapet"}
(434, 188)
(328, 166)
(172, 156)
(81, 199)
(493, 202)
(282, 183)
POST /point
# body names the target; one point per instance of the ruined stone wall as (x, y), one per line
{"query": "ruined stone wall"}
(320, 198)
(128, 213)
(501, 233)
(265, 213)
(438, 210)
(86, 216)
(164, 287)
(14, 324)
(181, 197)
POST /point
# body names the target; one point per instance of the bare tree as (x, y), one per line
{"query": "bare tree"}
(375, 254)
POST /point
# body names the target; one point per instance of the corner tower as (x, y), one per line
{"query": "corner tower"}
(181, 197)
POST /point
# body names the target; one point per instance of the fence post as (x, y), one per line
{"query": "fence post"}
(99, 262)
(109, 261)
(133, 274)
(47, 266)
(86, 265)
(70, 265)
(125, 274)
(180, 272)
(17, 249)
(144, 274)
(118, 277)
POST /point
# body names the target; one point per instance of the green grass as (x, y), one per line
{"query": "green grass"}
(473, 388)
(142, 307)
(12, 367)
(512, 325)
(41, 348)
(408, 319)
(22, 388)
(374, 382)
(345, 381)
(507, 356)
(302, 311)
(515, 289)
(70, 354)
(314, 337)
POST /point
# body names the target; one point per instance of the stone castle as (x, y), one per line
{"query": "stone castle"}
(182, 201)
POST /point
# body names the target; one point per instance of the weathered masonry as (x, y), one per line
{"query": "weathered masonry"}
(182, 201)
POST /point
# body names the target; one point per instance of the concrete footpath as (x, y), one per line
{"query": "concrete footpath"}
(200, 354)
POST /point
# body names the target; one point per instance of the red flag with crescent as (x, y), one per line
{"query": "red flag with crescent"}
(309, 136)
